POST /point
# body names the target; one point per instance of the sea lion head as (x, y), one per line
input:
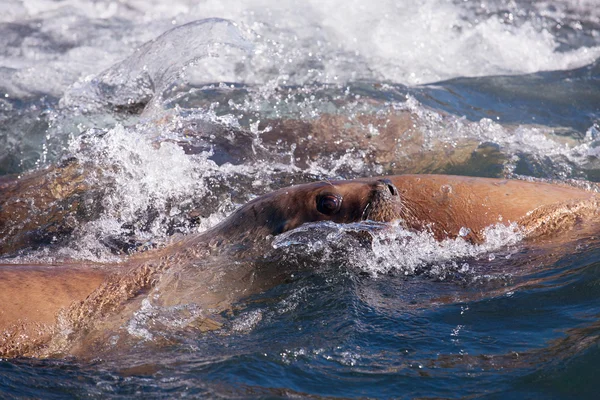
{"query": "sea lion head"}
(337, 201)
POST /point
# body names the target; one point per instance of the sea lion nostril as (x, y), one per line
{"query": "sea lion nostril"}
(390, 186)
(392, 189)
(384, 204)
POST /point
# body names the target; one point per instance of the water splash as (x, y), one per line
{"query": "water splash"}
(377, 248)
(161, 64)
(331, 42)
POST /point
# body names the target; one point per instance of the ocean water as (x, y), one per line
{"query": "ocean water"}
(190, 109)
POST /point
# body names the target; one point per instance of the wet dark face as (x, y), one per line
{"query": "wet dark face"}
(346, 202)
(341, 202)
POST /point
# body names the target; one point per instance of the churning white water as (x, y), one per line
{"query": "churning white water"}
(126, 85)
(331, 41)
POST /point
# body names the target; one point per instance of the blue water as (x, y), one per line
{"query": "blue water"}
(353, 336)
(556, 98)
(517, 323)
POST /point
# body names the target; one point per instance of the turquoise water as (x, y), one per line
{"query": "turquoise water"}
(189, 131)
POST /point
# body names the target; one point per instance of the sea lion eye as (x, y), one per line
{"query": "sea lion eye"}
(329, 204)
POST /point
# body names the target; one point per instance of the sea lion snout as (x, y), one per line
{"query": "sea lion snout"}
(385, 204)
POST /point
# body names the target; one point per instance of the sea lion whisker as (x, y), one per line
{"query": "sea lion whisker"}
(409, 215)
(365, 211)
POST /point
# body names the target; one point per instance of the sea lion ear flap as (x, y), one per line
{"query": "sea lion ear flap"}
(329, 203)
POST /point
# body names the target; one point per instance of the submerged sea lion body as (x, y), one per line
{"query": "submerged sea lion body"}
(184, 274)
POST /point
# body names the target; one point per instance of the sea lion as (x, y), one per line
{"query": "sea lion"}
(93, 304)
(445, 205)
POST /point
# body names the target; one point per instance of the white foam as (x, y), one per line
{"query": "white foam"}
(11, 10)
(151, 319)
(408, 43)
(393, 248)
(334, 41)
(247, 321)
(140, 168)
(137, 326)
(434, 40)
(136, 175)
(407, 251)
